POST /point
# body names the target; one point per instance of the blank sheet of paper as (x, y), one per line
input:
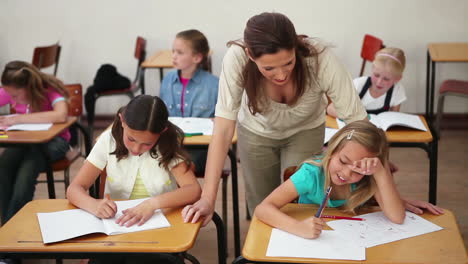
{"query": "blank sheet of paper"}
(330, 245)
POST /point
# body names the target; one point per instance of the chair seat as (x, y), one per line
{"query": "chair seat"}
(132, 88)
(64, 163)
(454, 86)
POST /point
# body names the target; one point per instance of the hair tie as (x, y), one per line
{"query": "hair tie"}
(350, 134)
(390, 56)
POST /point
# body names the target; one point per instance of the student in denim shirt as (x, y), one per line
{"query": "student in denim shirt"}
(190, 90)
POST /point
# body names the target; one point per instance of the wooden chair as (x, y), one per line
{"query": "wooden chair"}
(453, 88)
(370, 46)
(138, 82)
(47, 56)
(75, 108)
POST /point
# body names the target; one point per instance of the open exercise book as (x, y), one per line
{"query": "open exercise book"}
(194, 125)
(349, 239)
(62, 225)
(385, 120)
(27, 127)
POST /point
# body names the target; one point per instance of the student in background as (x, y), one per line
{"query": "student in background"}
(143, 156)
(190, 90)
(35, 97)
(356, 166)
(382, 91)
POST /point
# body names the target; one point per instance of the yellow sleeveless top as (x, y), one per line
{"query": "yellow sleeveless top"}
(139, 190)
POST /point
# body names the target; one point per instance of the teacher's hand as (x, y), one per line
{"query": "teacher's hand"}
(202, 208)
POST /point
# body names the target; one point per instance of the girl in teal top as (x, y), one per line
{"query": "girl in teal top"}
(356, 166)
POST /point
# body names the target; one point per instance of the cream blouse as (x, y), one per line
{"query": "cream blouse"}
(121, 175)
(280, 121)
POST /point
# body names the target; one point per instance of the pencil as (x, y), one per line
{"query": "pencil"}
(343, 217)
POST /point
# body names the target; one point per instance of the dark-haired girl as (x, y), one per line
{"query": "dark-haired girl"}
(143, 157)
(35, 97)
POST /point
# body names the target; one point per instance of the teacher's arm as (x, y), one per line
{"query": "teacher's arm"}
(222, 137)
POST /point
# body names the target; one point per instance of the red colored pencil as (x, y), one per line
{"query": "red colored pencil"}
(343, 217)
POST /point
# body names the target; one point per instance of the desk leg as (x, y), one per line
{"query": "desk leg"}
(235, 202)
(161, 74)
(431, 107)
(433, 149)
(49, 172)
(428, 78)
(221, 238)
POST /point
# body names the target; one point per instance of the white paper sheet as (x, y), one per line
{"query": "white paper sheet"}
(329, 133)
(62, 225)
(330, 245)
(194, 124)
(28, 127)
(377, 229)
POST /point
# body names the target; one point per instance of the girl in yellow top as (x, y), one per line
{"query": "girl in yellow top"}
(144, 157)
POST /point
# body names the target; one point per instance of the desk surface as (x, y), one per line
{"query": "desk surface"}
(22, 234)
(449, 52)
(398, 134)
(445, 246)
(34, 137)
(161, 59)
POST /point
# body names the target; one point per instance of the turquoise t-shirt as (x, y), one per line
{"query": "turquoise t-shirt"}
(309, 181)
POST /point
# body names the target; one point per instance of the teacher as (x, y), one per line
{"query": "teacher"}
(273, 82)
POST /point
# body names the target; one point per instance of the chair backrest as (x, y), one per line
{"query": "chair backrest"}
(288, 172)
(140, 55)
(370, 46)
(44, 57)
(75, 100)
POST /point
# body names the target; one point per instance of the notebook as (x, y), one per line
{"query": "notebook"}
(63, 225)
(385, 120)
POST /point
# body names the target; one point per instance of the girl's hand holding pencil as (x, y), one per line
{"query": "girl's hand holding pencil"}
(106, 208)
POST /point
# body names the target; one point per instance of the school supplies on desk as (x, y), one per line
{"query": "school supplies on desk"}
(62, 225)
(193, 134)
(28, 127)
(193, 125)
(343, 217)
(378, 229)
(324, 202)
(385, 120)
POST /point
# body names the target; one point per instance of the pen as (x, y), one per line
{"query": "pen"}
(343, 217)
(193, 134)
(324, 202)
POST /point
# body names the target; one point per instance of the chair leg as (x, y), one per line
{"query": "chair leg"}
(440, 109)
(66, 178)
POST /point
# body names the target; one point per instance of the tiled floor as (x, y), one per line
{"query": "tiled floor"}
(412, 181)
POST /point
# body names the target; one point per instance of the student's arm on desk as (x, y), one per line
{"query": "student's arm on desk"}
(58, 115)
(221, 140)
(78, 194)
(188, 192)
(268, 211)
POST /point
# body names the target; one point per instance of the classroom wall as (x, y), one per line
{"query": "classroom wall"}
(95, 32)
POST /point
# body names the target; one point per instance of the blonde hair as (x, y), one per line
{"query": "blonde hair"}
(391, 59)
(373, 140)
(23, 75)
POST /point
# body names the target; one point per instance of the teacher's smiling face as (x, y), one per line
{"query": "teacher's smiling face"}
(277, 67)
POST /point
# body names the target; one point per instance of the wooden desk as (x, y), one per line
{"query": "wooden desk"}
(411, 138)
(444, 246)
(160, 60)
(21, 237)
(441, 52)
(202, 142)
(18, 138)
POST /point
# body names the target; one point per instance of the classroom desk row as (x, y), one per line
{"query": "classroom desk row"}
(21, 238)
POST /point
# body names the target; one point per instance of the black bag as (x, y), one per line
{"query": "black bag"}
(107, 78)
